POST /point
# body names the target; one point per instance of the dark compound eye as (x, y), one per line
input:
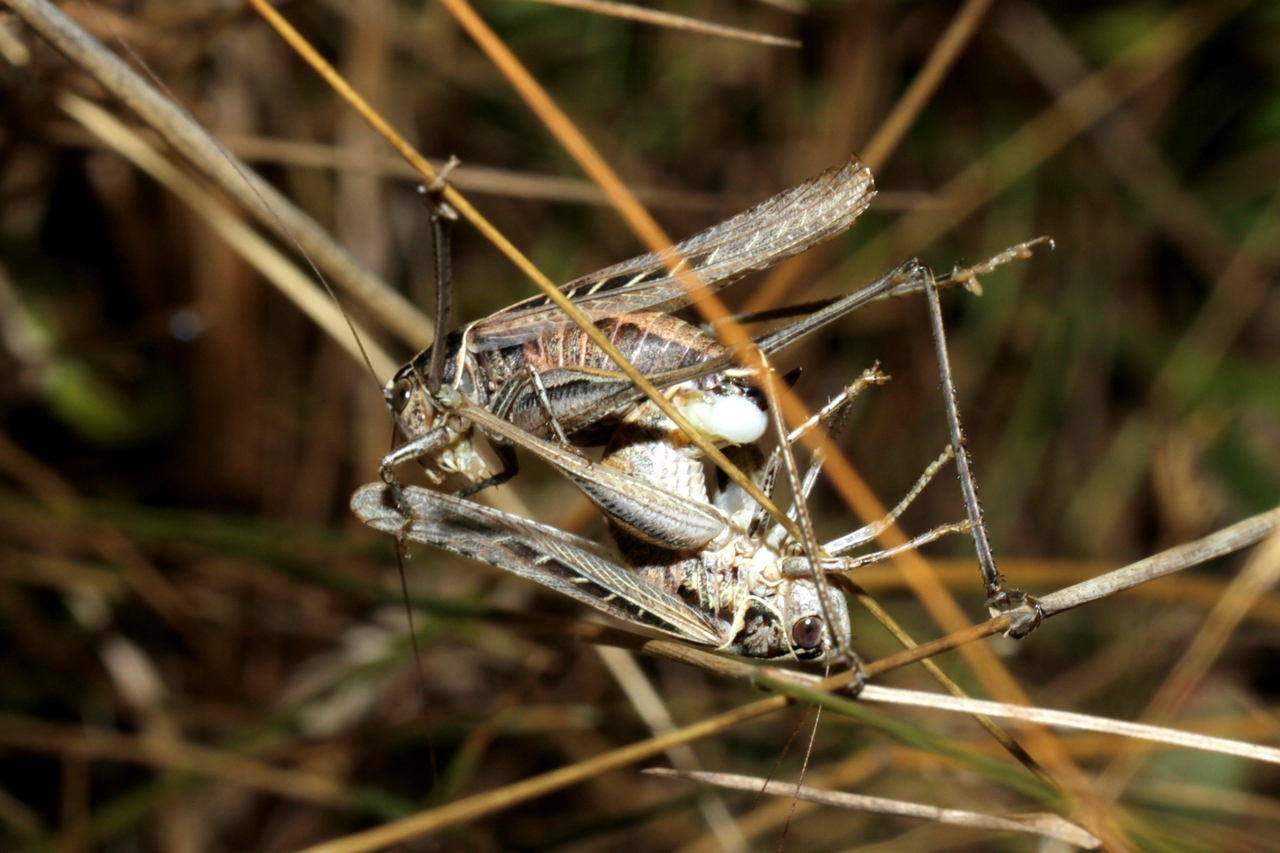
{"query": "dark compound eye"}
(807, 633)
(400, 394)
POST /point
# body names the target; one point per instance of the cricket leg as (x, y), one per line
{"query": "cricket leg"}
(506, 453)
(809, 541)
(510, 467)
(798, 566)
(831, 414)
(862, 535)
(1021, 607)
(923, 539)
(540, 391)
(424, 445)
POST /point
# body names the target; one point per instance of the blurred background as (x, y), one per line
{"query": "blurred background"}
(202, 650)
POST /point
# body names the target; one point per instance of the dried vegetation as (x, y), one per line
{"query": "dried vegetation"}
(203, 651)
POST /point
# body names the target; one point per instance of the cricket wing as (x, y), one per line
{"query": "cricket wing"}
(543, 554)
(770, 232)
(650, 512)
(612, 392)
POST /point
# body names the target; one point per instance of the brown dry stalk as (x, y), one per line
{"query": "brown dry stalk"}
(1260, 575)
(670, 21)
(36, 736)
(250, 191)
(887, 136)
(1234, 538)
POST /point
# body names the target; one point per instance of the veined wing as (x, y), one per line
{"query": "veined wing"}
(648, 511)
(616, 392)
(549, 556)
(768, 233)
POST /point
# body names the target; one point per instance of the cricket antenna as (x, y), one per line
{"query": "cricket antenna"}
(804, 767)
(443, 217)
(401, 555)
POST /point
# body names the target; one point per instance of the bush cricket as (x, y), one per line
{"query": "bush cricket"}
(710, 573)
(530, 367)
(727, 591)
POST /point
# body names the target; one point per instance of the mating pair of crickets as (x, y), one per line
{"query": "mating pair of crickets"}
(714, 570)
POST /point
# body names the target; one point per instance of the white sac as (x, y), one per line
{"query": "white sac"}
(733, 419)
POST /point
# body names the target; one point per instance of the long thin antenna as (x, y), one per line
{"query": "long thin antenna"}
(804, 768)
(443, 217)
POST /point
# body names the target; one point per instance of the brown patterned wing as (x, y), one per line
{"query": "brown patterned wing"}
(561, 561)
(770, 232)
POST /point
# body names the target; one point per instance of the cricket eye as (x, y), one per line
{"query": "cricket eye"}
(400, 394)
(807, 633)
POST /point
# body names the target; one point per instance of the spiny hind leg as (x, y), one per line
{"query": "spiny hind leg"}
(1022, 608)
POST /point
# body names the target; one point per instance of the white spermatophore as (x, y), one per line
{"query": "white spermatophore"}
(734, 419)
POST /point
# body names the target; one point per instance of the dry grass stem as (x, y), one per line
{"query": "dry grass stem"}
(202, 649)
(509, 183)
(942, 57)
(1078, 722)
(1259, 575)
(675, 22)
(197, 147)
(275, 267)
(1230, 539)
(469, 808)
(35, 736)
(1047, 825)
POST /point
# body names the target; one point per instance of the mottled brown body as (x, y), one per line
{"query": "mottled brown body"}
(575, 373)
(528, 364)
(656, 343)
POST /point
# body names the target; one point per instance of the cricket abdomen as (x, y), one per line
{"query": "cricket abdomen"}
(579, 379)
(653, 342)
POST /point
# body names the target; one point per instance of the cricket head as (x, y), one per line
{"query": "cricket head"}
(786, 622)
(415, 409)
(420, 413)
(811, 636)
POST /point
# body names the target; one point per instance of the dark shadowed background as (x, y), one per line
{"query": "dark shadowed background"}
(178, 569)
